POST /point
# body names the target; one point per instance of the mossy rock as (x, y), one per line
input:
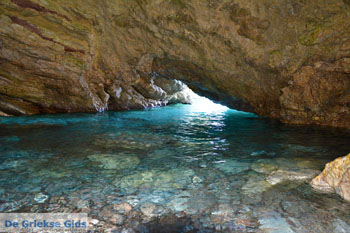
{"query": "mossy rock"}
(311, 36)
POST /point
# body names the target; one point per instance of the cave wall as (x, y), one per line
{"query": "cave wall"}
(285, 59)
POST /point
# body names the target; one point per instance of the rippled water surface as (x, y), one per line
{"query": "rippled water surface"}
(179, 168)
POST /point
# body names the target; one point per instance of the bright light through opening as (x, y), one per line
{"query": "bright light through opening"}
(202, 104)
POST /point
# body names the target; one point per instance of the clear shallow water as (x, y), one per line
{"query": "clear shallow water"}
(180, 168)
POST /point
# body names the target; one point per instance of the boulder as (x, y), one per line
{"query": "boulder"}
(335, 178)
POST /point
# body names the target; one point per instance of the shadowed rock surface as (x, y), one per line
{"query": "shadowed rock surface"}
(282, 59)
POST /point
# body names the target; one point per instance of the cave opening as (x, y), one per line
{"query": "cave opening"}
(203, 104)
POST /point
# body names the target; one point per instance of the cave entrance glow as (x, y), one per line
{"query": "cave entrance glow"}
(203, 104)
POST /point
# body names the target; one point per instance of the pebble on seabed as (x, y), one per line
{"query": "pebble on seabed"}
(40, 197)
(122, 207)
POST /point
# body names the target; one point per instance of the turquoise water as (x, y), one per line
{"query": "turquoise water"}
(179, 168)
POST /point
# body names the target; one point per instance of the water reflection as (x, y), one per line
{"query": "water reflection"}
(213, 166)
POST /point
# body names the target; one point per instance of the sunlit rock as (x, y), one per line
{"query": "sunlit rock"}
(256, 185)
(276, 171)
(266, 166)
(280, 176)
(335, 178)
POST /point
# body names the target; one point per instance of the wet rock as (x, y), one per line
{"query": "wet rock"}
(131, 141)
(255, 185)
(232, 166)
(111, 230)
(298, 209)
(264, 166)
(115, 161)
(12, 164)
(280, 176)
(272, 222)
(51, 173)
(340, 226)
(197, 180)
(335, 177)
(122, 208)
(10, 206)
(160, 180)
(116, 219)
(262, 152)
(132, 200)
(245, 223)
(107, 212)
(94, 221)
(179, 204)
(151, 210)
(222, 214)
(41, 198)
(83, 204)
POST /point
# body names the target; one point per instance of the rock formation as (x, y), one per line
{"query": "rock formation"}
(335, 178)
(282, 59)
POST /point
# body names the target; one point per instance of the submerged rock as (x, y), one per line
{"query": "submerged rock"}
(256, 185)
(116, 219)
(115, 161)
(264, 166)
(150, 210)
(232, 166)
(12, 164)
(335, 178)
(276, 171)
(83, 204)
(41, 198)
(273, 222)
(51, 173)
(280, 176)
(340, 226)
(130, 141)
(156, 179)
(122, 207)
(223, 213)
(179, 204)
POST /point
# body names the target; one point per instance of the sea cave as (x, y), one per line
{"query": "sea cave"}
(146, 116)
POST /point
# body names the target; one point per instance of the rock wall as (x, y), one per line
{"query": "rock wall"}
(284, 59)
